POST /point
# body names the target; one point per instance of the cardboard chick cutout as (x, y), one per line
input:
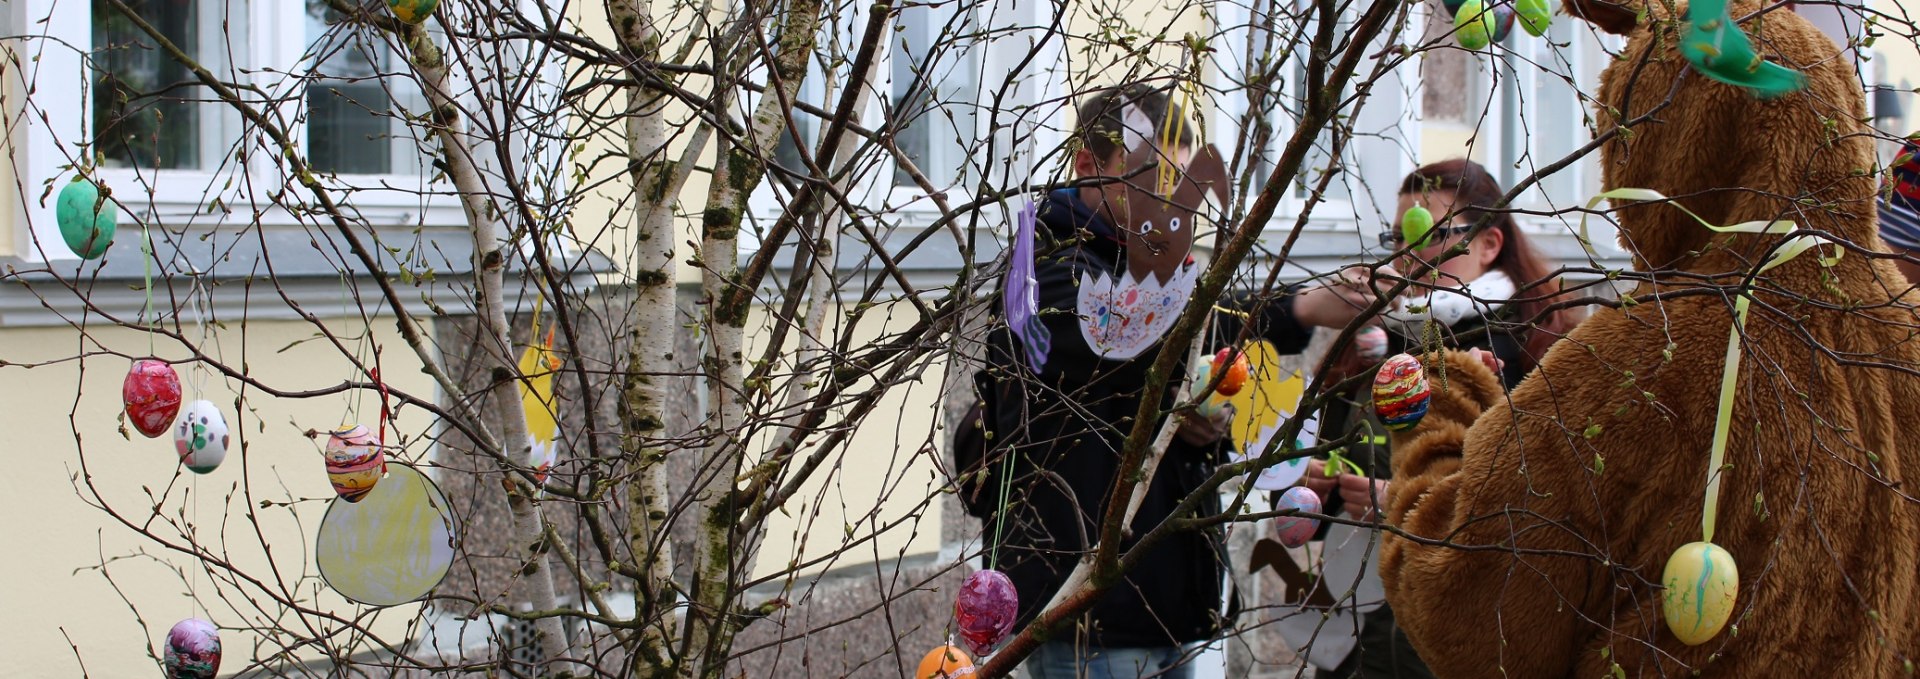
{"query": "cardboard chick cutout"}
(538, 365)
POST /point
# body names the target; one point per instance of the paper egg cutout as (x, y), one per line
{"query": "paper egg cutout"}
(1701, 584)
(393, 546)
(945, 662)
(1400, 393)
(1535, 16)
(193, 650)
(152, 396)
(1235, 364)
(1473, 26)
(200, 437)
(1295, 531)
(1371, 343)
(985, 610)
(413, 11)
(87, 223)
(354, 462)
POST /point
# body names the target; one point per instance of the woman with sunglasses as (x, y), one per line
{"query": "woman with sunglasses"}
(1493, 297)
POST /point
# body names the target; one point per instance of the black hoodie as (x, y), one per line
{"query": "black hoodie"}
(1065, 429)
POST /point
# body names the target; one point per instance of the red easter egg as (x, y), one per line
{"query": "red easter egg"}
(985, 610)
(1236, 372)
(152, 395)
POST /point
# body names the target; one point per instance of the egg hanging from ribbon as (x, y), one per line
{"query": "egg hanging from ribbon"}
(354, 462)
(87, 222)
(1502, 23)
(985, 610)
(193, 650)
(1211, 404)
(1699, 587)
(1535, 16)
(1371, 343)
(1295, 531)
(152, 396)
(413, 11)
(945, 662)
(200, 437)
(1401, 393)
(1234, 362)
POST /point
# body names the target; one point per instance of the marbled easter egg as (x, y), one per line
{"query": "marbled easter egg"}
(1401, 393)
(200, 437)
(1700, 584)
(1294, 531)
(354, 462)
(1371, 343)
(985, 610)
(193, 650)
(1474, 25)
(87, 223)
(151, 394)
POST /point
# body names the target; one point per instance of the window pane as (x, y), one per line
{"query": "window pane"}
(143, 112)
(354, 124)
(934, 92)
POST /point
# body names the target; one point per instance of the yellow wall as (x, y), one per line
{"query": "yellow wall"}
(54, 531)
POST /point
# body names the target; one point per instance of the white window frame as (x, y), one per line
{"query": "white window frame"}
(268, 40)
(408, 95)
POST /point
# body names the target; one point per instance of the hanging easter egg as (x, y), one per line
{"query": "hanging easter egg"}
(1295, 531)
(1473, 25)
(152, 395)
(1371, 343)
(1234, 363)
(1414, 225)
(86, 221)
(1400, 392)
(985, 610)
(1502, 23)
(393, 546)
(1700, 584)
(945, 662)
(354, 462)
(200, 437)
(1535, 16)
(193, 650)
(412, 11)
(1211, 404)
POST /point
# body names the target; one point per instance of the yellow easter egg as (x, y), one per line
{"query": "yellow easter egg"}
(1700, 586)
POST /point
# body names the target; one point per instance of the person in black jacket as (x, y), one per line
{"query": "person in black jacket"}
(1493, 299)
(1055, 436)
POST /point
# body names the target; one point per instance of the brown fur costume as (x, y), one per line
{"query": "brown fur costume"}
(1565, 498)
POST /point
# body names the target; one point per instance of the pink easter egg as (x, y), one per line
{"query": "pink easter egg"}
(355, 462)
(985, 610)
(152, 396)
(193, 650)
(1294, 531)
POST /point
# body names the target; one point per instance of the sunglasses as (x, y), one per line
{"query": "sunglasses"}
(1390, 238)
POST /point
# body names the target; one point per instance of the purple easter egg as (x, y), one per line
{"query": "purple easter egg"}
(985, 610)
(193, 650)
(1294, 531)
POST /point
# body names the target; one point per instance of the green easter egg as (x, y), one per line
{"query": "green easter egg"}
(1417, 222)
(1699, 587)
(1535, 16)
(413, 11)
(86, 222)
(1474, 25)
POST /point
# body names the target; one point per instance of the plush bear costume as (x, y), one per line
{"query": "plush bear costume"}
(1564, 498)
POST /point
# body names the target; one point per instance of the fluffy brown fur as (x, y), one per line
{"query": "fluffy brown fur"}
(1565, 498)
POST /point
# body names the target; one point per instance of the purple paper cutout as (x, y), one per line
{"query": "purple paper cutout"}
(1021, 294)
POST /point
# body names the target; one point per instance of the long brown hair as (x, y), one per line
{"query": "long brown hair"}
(1475, 195)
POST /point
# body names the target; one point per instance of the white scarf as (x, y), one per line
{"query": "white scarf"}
(1486, 294)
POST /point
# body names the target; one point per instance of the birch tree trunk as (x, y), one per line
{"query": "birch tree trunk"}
(489, 266)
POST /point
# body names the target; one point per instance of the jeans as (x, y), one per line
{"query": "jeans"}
(1066, 660)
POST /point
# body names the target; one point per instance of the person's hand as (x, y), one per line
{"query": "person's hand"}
(1341, 300)
(1317, 480)
(1205, 431)
(1362, 496)
(1487, 358)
